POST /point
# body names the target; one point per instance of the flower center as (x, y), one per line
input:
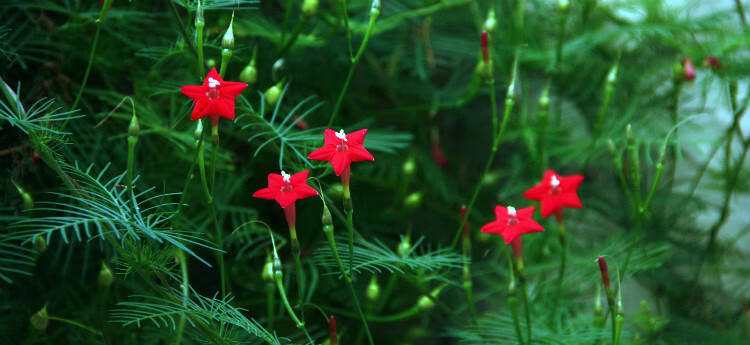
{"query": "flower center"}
(287, 188)
(513, 219)
(342, 147)
(287, 178)
(555, 184)
(213, 93)
(341, 135)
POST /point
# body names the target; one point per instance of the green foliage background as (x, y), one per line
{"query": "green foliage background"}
(417, 91)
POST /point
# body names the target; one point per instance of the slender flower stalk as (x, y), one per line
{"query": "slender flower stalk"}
(278, 277)
(227, 45)
(374, 13)
(99, 22)
(610, 295)
(133, 131)
(468, 284)
(199, 25)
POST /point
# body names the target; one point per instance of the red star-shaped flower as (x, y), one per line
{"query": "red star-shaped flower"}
(556, 192)
(342, 149)
(512, 223)
(214, 98)
(286, 189)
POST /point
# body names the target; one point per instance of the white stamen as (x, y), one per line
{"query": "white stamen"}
(511, 211)
(554, 182)
(341, 135)
(286, 177)
(213, 82)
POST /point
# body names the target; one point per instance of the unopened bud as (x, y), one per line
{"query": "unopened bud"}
(134, 128)
(629, 132)
(273, 94)
(199, 16)
(249, 74)
(309, 7)
(40, 244)
(332, 332)
(211, 63)
(40, 319)
(336, 190)
(611, 146)
(278, 69)
(198, 132)
(375, 9)
(413, 200)
(425, 303)
(689, 69)
(612, 75)
(326, 218)
(277, 272)
(713, 62)
(409, 167)
(404, 247)
(227, 42)
(544, 99)
(373, 289)
(605, 273)
(490, 24)
(267, 273)
(563, 5)
(598, 308)
(105, 276)
(27, 202)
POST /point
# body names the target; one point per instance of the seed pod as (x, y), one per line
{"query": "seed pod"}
(563, 5)
(413, 200)
(404, 247)
(409, 167)
(373, 289)
(211, 63)
(273, 94)
(227, 42)
(134, 129)
(249, 74)
(40, 244)
(490, 24)
(309, 7)
(267, 274)
(105, 276)
(40, 319)
(425, 303)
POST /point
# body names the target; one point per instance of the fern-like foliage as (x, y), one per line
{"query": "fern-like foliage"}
(200, 311)
(100, 209)
(376, 257)
(14, 259)
(41, 117)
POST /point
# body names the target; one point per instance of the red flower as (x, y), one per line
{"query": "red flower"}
(485, 47)
(512, 223)
(342, 149)
(713, 62)
(556, 192)
(605, 273)
(687, 65)
(286, 189)
(214, 98)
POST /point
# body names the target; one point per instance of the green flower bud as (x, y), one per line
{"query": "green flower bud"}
(199, 16)
(409, 167)
(278, 69)
(544, 99)
(227, 42)
(27, 202)
(249, 74)
(425, 303)
(326, 218)
(484, 70)
(413, 200)
(404, 247)
(40, 319)
(211, 63)
(373, 289)
(268, 273)
(336, 190)
(105, 276)
(40, 244)
(563, 5)
(375, 9)
(198, 133)
(612, 75)
(611, 146)
(277, 272)
(309, 7)
(629, 132)
(273, 94)
(134, 128)
(490, 24)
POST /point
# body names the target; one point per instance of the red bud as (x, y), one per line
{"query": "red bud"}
(687, 65)
(605, 272)
(332, 331)
(301, 124)
(463, 217)
(485, 47)
(713, 62)
(438, 155)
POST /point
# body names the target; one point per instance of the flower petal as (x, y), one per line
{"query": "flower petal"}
(286, 198)
(536, 193)
(305, 191)
(493, 227)
(194, 92)
(212, 74)
(201, 109)
(570, 199)
(571, 183)
(340, 161)
(359, 153)
(231, 89)
(324, 153)
(223, 108)
(526, 213)
(265, 193)
(357, 137)
(299, 178)
(330, 137)
(550, 205)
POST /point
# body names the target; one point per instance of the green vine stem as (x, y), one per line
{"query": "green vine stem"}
(199, 25)
(77, 324)
(374, 12)
(513, 298)
(525, 295)
(328, 230)
(563, 237)
(467, 280)
(94, 44)
(184, 287)
(497, 138)
(278, 278)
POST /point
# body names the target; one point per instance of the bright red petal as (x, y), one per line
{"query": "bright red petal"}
(340, 162)
(299, 178)
(511, 233)
(357, 137)
(526, 213)
(231, 89)
(286, 198)
(223, 108)
(194, 92)
(275, 180)
(305, 191)
(548, 176)
(265, 193)
(501, 212)
(550, 205)
(493, 228)
(537, 192)
(324, 153)
(571, 183)
(330, 137)
(358, 153)
(201, 109)
(570, 199)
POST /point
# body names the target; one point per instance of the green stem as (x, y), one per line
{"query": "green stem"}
(525, 295)
(270, 304)
(513, 301)
(468, 283)
(199, 43)
(497, 138)
(181, 27)
(188, 178)
(202, 167)
(132, 141)
(226, 55)
(297, 264)
(88, 68)
(346, 27)
(77, 324)
(328, 230)
(355, 61)
(300, 325)
(563, 259)
(295, 34)
(184, 286)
